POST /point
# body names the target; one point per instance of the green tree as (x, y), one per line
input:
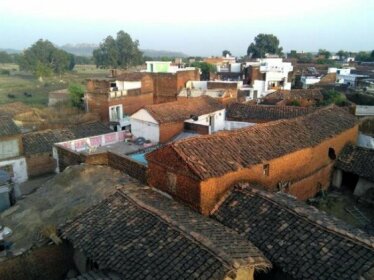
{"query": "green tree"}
(325, 53)
(226, 52)
(121, 52)
(263, 44)
(5, 57)
(43, 58)
(76, 93)
(342, 54)
(206, 69)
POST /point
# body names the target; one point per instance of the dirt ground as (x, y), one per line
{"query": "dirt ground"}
(57, 200)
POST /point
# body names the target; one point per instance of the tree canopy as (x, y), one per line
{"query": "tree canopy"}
(325, 53)
(43, 59)
(205, 68)
(76, 93)
(121, 52)
(263, 44)
(226, 52)
(365, 56)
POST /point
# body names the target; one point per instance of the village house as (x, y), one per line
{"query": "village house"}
(295, 155)
(11, 150)
(301, 97)
(38, 146)
(243, 112)
(267, 75)
(159, 123)
(225, 92)
(366, 133)
(354, 169)
(301, 242)
(58, 96)
(117, 98)
(141, 234)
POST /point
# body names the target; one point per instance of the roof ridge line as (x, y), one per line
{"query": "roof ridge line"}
(356, 239)
(196, 237)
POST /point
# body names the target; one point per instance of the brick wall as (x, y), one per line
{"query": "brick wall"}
(131, 103)
(40, 164)
(199, 128)
(170, 130)
(219, 85)
(67, 157)
(129, 166)
(307, 170)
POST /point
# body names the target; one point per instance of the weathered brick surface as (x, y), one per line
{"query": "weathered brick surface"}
(67, 157)
(129, 166)
(39, 164)
(170, 130)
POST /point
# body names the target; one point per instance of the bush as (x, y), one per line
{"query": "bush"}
(4, 72)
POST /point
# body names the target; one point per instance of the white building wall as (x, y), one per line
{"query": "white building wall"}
(123, 85)
(144, 125)
(365, 141)
(9, 148)
(233, 125)
(19, 167)
(219, 120)
(197, 85)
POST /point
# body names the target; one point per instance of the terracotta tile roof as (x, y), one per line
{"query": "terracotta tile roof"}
(215, 155)
(183, 109)
(42, 141)
(314, 94)
(89, 129)
(357, 160)
(8, 127)
(242, 112)
(13, 109)
(142, 234)
(97, 275)
(300, 240)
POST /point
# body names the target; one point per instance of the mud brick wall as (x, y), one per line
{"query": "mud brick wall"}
(201, 129)
(129, 166)
(39, 164)
(67, 157)
(170, 130)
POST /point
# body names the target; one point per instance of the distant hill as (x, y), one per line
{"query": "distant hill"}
(79, 49)
(10, 51)
(156, 53)
(87, 49)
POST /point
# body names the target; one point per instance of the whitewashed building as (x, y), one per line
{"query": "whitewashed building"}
(160, 123)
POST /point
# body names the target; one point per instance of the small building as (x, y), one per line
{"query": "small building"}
(366, 133)
(296, 156)
(267, 75)
(11, 150)
(141, 234)
(243, 112)
(58, 96)
(38, 146)
(301, 97)
(302, 242)
(354, 169)
(162, 122)
(117, 98)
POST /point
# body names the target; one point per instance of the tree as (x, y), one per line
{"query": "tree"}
(206, 69)
(76, 93)
(121, 52)
(325, 53)
(43, 58)
(342, 54)
(5, 57)
(225, 53)
(263, 44)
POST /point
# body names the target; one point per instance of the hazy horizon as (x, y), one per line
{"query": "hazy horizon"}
(199, 28)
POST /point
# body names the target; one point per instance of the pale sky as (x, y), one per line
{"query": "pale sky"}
(195, 27)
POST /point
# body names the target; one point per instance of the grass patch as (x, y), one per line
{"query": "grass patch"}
(16, 83)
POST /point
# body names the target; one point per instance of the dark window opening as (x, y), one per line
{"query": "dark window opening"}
(349, 181)
(266, 169)
(332, 154)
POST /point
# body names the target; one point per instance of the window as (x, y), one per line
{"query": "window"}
(332, 154)
(266, 169)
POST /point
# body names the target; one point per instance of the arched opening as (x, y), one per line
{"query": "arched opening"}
(332, 154)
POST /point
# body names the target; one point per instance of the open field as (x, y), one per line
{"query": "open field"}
(18, 82)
